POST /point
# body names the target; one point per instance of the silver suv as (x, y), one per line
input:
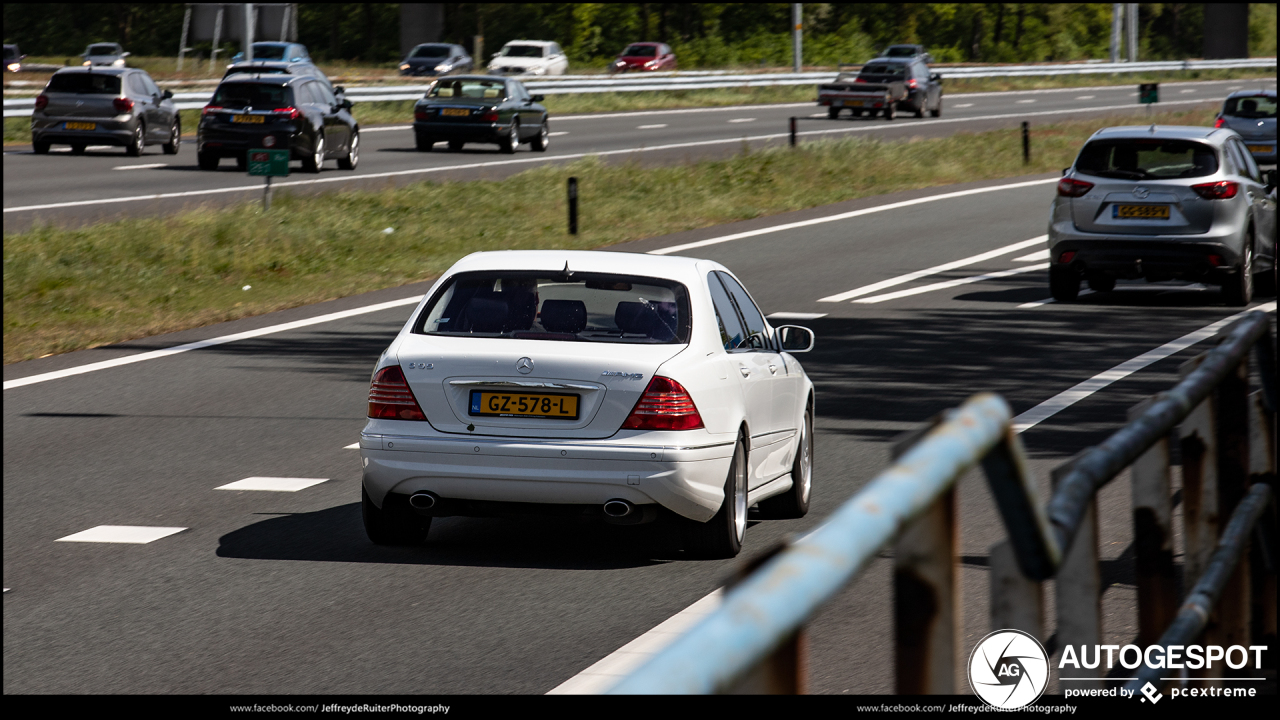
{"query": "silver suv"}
(1163, 203)
(105, 106)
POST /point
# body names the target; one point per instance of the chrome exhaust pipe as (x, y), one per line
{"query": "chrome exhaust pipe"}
(422, 500)
(618, 508)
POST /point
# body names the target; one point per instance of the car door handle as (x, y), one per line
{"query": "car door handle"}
(773, 369)
(746, 371)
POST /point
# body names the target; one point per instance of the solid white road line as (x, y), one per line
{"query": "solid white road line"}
(607, 672)
(273, 484)
(795, 316)
(651, 127)
(148, 166)
(129, 534)
(543, 158)
(1037, 255)
(128, 359)
(1067, 398)
(902, 279)
(951, 283)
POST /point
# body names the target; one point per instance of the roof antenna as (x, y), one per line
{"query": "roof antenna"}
(1153, 129)
(566, 273)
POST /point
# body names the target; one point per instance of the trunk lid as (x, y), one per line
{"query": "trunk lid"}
(1099, 211)
(77, 105)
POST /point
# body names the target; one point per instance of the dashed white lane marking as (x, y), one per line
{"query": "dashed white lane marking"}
(1184, 92)
(128, 534)
(950, 284)
(795, 316)
(901, 279)
(273, 484)
(1024, 102)
(559, 133)
(1067, 398)
(607, 672)
(818, 115)
(1046, 301)
(352, 446)
(148, 166)
(1234, 87)
(1085, 97)
(742, 120)
(1037, 255)
(651, 127)
(103, 365)
(385, 128)
(963, 105)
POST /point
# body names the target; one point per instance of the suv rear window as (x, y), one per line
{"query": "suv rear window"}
(584, 307)
(1257, 106)
(894, 70)
(103, 50)
(430, 51)
(85, 84)
(257, 95)
(1141, 159)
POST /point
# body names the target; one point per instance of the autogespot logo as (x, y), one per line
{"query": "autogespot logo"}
(1009, 669)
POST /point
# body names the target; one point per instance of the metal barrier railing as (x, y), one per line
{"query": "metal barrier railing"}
(754, 642)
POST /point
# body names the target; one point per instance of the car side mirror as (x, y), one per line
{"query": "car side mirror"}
(167, 95)
(537, 98)
(345, 104)
(124, 55)
(339, 90)
(795, 339)
(1065, 171)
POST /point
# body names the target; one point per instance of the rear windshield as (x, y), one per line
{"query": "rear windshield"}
(240, 95)
(1140, 159)
(522, 51)
(85, 84)
(255, 70)
(479, 89)
(583, 307)
(640, 51)
(431, 51)
(894, 70)
(103, 50)
(268, 52)
(1257, 106)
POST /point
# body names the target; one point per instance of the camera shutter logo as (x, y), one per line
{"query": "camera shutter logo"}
(1009, 669)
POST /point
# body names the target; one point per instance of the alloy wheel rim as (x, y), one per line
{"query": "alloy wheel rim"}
(174, 136)
(354, 155)
(137, 138)
(1246, 268)
(740, 498)
(319, 152)
(806, 463)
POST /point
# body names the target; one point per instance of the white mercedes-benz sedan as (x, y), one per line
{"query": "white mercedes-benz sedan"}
(602, 384)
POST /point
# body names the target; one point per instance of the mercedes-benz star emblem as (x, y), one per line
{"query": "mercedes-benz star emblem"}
(1141, 192)
(524, 366)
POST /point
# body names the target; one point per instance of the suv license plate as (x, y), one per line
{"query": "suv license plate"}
(81, 126)
(532, 405)
(251, 119)
(1140, 212)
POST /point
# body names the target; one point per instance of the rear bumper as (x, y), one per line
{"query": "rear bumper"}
(490, 133)
(687, 481)
(230, 144)
(106, 132)
(1154, 257)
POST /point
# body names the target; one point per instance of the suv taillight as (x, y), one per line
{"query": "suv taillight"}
(1220, 122)
(123, 105)
(1223, 190)
(293, 112)
(665, 405)
(390, 397)
(912, 83)
(42, 102)
(1070, 187)
(209, 109)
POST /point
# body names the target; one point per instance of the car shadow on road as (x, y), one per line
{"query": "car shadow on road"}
(337, 535)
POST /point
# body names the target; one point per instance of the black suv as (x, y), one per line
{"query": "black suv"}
(924, 88)
(300, 114)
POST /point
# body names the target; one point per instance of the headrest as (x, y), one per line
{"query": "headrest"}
(635, 318)
(487, 314)
(568, 316)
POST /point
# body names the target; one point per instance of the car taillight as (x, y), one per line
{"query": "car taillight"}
(123, 105)
(665, 405)
(1220, 122)
(912, 83)
(859, 80)
(209, 109)
(42, 101)
(292, 112)
(489, 116)
(1070, 187)
(1222, 190)
(390, 397)
(420, 114)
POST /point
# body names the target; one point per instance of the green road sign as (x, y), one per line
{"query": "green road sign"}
(272, 163)
(1149, 93)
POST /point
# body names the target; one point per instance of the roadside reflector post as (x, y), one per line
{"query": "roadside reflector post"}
(573, 206)
(1026, 143)
(793, 132)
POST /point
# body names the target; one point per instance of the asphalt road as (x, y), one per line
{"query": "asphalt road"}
(105, 183)
(280, 592)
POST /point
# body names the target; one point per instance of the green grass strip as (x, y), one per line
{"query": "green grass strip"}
(73, 288)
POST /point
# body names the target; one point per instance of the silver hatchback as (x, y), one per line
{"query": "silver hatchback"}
(105, 106)
(1163, 203)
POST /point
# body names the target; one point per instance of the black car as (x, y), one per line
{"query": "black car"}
(480, 108)
(277, 111)
(436, 59)
(924, 89)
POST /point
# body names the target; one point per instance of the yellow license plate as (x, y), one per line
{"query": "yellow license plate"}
(251, 119)
(1259, 148)
(854, 103)
(81, 126)
(536, 405)
(1142, 212)
(455, 112)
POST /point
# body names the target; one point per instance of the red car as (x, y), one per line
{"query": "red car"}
(645, 56)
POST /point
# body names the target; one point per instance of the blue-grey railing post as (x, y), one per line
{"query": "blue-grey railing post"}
(1156, 575)
(1229, 623)
(1262, 470)
(1017, 602)
(1078, 586)
(926, 617)
(1198, 443)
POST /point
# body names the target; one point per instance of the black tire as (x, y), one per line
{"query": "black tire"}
(352, 158)
(889, 111)
(833, 113)
(77, 148)
(423, 143)
(455, 145)
(1064, 283)
(138, 142)
(511, 142)
(920, 110)
(722, 535)
(175, 139)
(40, 147)
(313, 162)
(937, 111)
(1264, 283)
(1237, 290)
(795, 502)
(207, 160)
(394, 523)
(1101, 283)
(242, 162)
(542, 140)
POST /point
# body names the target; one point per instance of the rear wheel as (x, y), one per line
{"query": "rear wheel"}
(511, 142)
(137, 142)
(722, 535)
(424, 144)
(833, 113)
(543, 140)
(40, 147)
(77, 148)
(242, 161)
(207, 160)
(353, 153)
(795, 502)
(937, 110)
(1238, 288)
(394, 523)
(175, 139)
(313, 163)
(455, 145)
(920, 110)
(889, 111)
(1102, 283)
(1064, 283)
